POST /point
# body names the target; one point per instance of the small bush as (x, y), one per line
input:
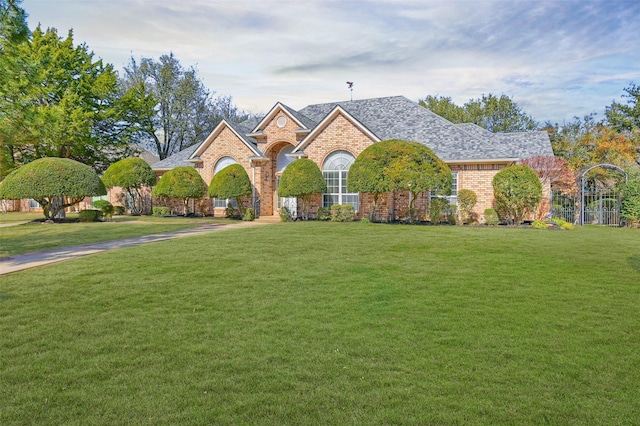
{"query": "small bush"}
(563, 224)
(89, 215)
(538, 224)
(161, 211)
(324, 213)
(436, 208)
(491, 217)
(118, 210)
(249, 215)
(284, 214)
(451, 213)
(342, 213)
(229, 212)
(467, 200)
(105, 207)
(365, 220)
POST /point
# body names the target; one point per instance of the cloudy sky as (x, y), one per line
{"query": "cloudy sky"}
(556, 59)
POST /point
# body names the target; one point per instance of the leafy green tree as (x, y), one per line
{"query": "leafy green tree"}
(231, 182)
(131, 174)
(517, 190)
(626, 118)
(55, 183)
(444, 107)
(631, 199)
(63, 104)
(496, 114)
(416, 168)
(302, 178)
(168, 106)
(14, 70)
(367, 173)
(182, 182)
(397, 165)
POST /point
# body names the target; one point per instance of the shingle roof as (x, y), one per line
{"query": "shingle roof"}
(397, 117)
(176, 160)
(400, 118)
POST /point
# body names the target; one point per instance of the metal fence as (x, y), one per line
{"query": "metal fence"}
(599, 208)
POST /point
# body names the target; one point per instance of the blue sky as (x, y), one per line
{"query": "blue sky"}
(556, 59)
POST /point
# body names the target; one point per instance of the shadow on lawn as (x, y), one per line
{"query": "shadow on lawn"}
(634, 261)
(5, 296)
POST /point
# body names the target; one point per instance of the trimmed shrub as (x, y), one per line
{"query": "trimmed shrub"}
(89, 215)
(105, 207)
(249, 215)
(231, 182)
(517, 191)
(161, 211)
(563, 224)
(491, 217)
(467, 200)
(182, 182)
(342, 213)
(131, 174)
(118, 210)
(51, 180)
(365, 220)
(538, 224)
(324, 213)
(302, 179)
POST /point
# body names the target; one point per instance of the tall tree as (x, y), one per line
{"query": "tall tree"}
(169, 106)
(626, 118)
(14, 70)
(60, 103)
(444, 107)
(496, 114)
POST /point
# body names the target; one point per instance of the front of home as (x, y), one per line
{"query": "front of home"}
(333, 134)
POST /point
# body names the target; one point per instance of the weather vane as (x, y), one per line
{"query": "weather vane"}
(350, 86)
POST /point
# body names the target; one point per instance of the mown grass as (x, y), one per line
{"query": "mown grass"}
(37, 236)
(325, 323)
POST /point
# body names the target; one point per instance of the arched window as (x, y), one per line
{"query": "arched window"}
(283, 160)
(221, 164)
(335, 170)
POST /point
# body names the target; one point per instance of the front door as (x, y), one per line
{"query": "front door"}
(291, 203)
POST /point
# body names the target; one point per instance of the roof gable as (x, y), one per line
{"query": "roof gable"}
(298, 118)
(335, 112)
(237, 130)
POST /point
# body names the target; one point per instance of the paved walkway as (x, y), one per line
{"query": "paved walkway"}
(20, 262)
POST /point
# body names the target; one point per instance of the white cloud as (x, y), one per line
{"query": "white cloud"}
(557, 58)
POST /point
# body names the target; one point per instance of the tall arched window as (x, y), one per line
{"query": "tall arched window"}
(283, 160)
(335, 170)
(221, 164)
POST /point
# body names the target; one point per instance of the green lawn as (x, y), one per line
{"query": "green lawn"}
(327, 323)
(36, 236)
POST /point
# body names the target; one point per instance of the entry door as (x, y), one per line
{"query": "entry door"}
(291, 203)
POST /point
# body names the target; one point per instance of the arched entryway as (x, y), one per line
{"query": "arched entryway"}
(278, 154)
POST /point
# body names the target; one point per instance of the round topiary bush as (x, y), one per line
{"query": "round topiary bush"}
(55, 183)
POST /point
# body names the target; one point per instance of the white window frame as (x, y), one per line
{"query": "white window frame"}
(453, 198)
(338, 162)
(221, 164)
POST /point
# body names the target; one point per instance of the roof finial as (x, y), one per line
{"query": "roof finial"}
(350, 86)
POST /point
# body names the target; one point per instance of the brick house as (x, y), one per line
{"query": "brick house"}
(333, 134)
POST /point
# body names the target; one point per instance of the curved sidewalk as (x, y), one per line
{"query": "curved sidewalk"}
(20, 262)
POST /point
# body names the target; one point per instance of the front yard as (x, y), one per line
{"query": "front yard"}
(330, 323)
